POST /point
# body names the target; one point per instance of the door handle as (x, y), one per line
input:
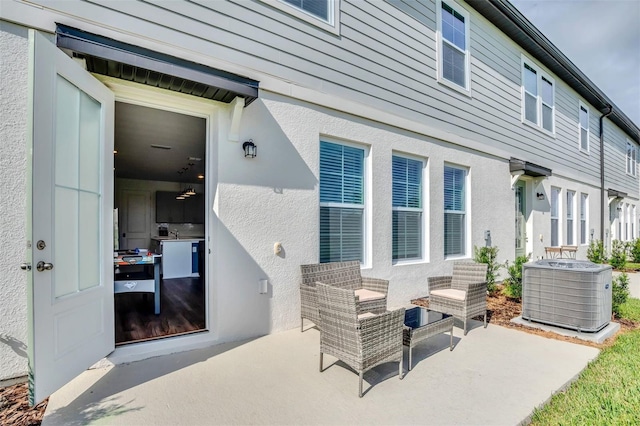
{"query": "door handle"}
(42, 266)
(25, 266)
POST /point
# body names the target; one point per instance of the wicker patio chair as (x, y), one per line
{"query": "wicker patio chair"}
(463, 294)
(360, 341)
(371, 293)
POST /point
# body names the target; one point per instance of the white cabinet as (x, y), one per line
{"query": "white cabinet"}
(177, 259)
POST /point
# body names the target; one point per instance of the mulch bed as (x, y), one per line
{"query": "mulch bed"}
(14, 407)
(15, 410)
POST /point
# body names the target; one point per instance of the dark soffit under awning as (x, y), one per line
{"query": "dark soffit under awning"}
(133, 63)
(615, 193)
(528, 168)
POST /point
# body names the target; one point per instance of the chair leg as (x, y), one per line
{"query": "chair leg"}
(451, 340)
(321, 354)
(485, 319)
(465, 327)
(301, 324)
(401, 370)
(360, 390)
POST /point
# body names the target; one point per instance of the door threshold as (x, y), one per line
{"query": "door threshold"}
(151, 339)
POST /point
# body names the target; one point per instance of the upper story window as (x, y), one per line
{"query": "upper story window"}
(455, 211)
(584, 127)
(538, 97)
(322, 13)
(342, 202)
(453, 45)
(407, 208)
(631, 158)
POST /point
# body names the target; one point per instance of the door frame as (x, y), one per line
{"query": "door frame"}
(212, 112)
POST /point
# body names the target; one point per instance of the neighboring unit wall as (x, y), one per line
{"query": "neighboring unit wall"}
(13, 193)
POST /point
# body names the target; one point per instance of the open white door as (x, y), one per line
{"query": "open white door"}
(71, 317)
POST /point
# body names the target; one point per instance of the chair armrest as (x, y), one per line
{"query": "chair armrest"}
(476, 291)
(383, 329)
(439, 283)
(376, 284)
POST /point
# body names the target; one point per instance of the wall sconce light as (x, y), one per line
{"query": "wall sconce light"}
(619, 208)
(250, 149)
(540, 196)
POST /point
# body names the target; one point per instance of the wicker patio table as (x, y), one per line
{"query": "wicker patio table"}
(421, 323)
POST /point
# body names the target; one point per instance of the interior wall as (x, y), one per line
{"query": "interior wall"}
(185, 229)
(13, 193)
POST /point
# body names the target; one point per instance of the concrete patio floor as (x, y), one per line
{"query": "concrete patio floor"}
(493, 376)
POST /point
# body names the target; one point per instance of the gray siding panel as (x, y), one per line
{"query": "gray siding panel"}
(384, 57)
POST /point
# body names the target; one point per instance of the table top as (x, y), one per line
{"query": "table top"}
(419, 317)
(136, 259)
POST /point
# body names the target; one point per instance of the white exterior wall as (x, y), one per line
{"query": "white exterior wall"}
(13, 193)
(275, 198)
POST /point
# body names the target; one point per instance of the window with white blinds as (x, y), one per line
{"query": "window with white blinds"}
(407, 208)
(453, 56)
(584, 127)
(584, 203)
(319, 8)
(455, 211)
(571, 195)
(341, 202)
(555, 212)
(538, 97)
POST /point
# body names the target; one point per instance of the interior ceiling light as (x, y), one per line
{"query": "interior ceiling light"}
(115, 151)
(180, 197)
(189, 191)
(200, 176)
(153, 145)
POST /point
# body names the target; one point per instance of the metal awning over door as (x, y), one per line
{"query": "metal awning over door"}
(133, 63)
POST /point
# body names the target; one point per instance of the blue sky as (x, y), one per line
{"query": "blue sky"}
(601, 37)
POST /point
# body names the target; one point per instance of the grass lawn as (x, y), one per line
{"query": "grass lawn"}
(608, 390)
(631, 266)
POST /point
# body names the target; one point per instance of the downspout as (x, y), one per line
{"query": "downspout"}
(602, 203)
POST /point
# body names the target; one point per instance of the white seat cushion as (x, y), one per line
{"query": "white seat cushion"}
(450, 293)
(366, 295)
(366, 315)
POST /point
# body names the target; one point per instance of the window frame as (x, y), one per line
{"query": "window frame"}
(631, 159)
(557, 216)
(440, 40)
(570, 217)
(584, 217)
(466, 199)
(540, 103)
(366, 194)
(422, 210)
(582, 106)
(331, 25)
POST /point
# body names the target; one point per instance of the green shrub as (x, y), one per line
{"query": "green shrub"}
(619, 292)
(634, 250)
(618, 258)
(488, 255)
(595, 252)
(513, 284)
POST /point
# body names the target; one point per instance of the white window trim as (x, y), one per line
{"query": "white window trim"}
(539, 75)
(366, 206)
(572, 218)
(580, 106)
(584, 210)
(332, 25)
(467, 212)
(439, 40)
(425, 212)
(634, 168)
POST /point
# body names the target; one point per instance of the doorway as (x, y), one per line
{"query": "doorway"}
(159, 187)
(521, 222)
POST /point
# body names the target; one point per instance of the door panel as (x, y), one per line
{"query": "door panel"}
(136, 219)
(71, 294)
(521, 222)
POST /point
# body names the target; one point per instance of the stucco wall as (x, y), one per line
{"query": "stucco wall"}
(274, 198)
(13, 193)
